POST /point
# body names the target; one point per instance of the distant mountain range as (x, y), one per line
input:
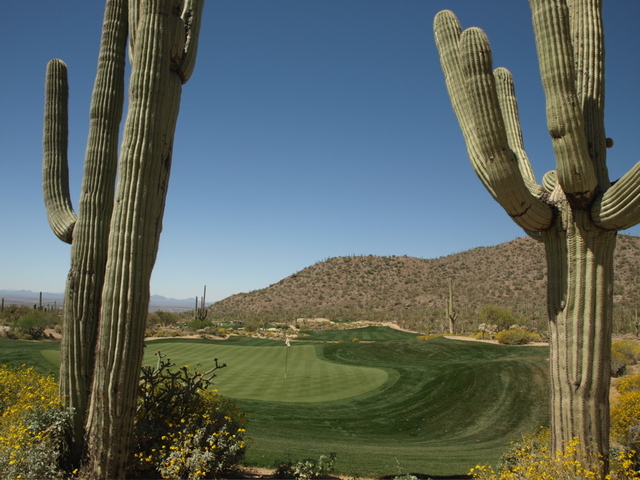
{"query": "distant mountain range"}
(54, 300)
(408, 290)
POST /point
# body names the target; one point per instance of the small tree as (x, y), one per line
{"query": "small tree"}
(502, 317)
(33, 324)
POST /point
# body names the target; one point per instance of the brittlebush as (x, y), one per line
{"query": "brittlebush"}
(182, 428)
(33, 424)
(531, 459)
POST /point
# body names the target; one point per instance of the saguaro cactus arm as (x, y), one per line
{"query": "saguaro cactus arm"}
(186, 46)
(493, 138)
(576, 171)
(55, 170)
(619, 207)
(192, 18)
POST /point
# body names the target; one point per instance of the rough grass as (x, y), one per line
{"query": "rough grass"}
(445, 405)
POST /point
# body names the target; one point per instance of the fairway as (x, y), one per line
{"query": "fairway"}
(390, 406)
(258, 373)
(365, 334)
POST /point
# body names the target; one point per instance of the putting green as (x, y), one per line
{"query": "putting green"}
(52, 356)
(258, 373)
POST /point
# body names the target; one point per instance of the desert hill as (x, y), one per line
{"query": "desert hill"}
(412, 291)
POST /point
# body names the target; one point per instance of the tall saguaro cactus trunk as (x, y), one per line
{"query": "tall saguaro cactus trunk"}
(114, 243)
(580, 293)
(88, 231)
(576, 211)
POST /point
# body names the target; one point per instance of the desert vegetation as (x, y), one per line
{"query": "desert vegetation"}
(506, 282)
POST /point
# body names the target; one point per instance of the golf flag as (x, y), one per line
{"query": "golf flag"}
(286, 356)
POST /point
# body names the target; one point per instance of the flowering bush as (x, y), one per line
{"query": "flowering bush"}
(517, 336)
(307, 469)
(183, 430)
(33, 424)
(623, 353)
(625, 412)
(531, 459)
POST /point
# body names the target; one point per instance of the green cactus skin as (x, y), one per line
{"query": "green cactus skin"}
(201, 312)
(451, 314)
(576, 211)
(88, 231)
(114, 238)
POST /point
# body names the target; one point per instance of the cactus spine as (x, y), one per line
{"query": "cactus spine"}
(114, 244)
(576, 211)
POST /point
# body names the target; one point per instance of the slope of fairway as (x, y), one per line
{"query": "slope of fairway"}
(366, 334)
(455, 405)
(272, 373)
(432, 408)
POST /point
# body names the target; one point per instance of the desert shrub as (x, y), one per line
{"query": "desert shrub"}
(13, 312)
(164, 318)
(500, 316)
(624, 353)
(486, 330)
(629, 348)
(625, 413)
(625, 418)
(629, 384)
(517, 336)
(252, 325)
(307, 468)
(33, 425)
(32, 325)
(198, 324)
(618, 364)
(531, 459)
(183, 429)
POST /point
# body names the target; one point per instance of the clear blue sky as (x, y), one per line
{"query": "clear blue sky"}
(310, 129)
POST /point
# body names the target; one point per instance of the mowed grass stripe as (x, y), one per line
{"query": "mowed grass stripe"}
(258, 373)
(366, 334)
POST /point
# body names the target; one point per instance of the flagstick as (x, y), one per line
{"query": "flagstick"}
(286, 359)
(286, 356)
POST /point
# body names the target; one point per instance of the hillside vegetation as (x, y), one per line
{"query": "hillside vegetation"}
(413, 291)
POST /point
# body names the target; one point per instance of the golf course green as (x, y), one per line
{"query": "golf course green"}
(274, 373)
(390, 405)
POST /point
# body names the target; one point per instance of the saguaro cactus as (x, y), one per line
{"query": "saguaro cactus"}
(114, 243)
(576, 211)
(452, 315)
(201, 312)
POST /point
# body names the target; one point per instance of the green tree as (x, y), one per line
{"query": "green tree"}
(33, 324)
(576, 211)
(164, 318)
(502, 317)
(114, 243)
